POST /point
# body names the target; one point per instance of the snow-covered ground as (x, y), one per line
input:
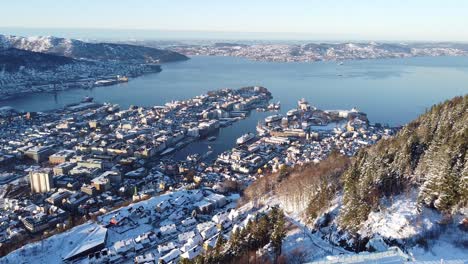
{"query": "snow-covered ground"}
(400, 219)
(52, 249)
(298, 247)
(443, 248)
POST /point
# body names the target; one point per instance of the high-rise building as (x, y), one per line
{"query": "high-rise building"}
(41, 180)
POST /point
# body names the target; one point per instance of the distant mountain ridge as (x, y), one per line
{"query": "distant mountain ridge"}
(309, 52)
(78, 49)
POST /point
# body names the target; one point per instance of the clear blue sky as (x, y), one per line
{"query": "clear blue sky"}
(442, 20)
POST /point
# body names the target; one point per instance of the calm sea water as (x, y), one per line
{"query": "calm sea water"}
(392, 91)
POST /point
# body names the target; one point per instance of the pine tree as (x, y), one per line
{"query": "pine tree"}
(234, 241)
(448, 193)
(185, 261)
(463, 187)
(216, 255)
(200, 259)
(278, 234)
(220, 241)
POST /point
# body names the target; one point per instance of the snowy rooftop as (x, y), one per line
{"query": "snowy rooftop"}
(95, 238)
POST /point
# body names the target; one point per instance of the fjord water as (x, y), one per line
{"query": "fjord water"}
(392, 91)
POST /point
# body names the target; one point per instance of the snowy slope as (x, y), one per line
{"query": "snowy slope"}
(52, 249)
(400, 219)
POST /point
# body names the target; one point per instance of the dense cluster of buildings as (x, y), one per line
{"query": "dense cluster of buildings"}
(169, 227)
(88, 158)
(68, 76)
(305, 134)
(91, 160)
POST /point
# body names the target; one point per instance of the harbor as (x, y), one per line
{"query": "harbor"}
(90, 157)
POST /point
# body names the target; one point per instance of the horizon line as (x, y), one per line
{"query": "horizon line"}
(334, 38)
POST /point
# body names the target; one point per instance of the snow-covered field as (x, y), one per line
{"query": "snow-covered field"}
(52, 249)
(400, 219)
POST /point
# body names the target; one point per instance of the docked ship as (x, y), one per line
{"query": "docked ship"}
(112, 81)
(245, 138)
(122, 78)
(292, 112)
(261, 130)
(87, 99)
(273, 118)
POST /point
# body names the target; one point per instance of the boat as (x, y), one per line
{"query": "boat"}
(194, 157)
(292, 112)
(261, 130)
(212, 138)
(111, 81)
(273, 118)
(122, 78)
(277, 105)
(87, 99)
(273, 106)
(105, 82)
(245, 138)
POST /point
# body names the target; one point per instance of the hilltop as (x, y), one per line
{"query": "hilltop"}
(78, 49)
(46, 64)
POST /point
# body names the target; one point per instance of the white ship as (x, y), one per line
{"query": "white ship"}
(277, 105)
(273, 118)
(261, 130)
(292, 112)
(245, 138)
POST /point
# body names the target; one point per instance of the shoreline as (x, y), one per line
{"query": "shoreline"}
(326, 60)
(20, 94)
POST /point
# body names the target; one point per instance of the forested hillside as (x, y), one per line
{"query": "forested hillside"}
(429, 154)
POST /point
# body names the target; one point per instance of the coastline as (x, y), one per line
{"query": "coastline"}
(325, 60)
(69, 87)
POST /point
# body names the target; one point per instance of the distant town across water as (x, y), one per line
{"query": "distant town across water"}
(392, 91)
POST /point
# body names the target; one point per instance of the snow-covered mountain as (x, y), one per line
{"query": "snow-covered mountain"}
(90, 51)
(324, 51)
